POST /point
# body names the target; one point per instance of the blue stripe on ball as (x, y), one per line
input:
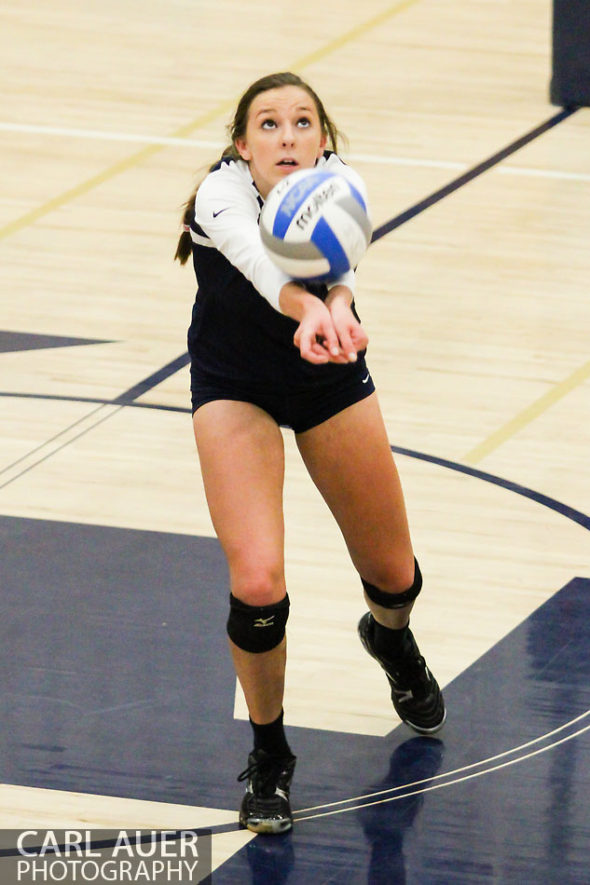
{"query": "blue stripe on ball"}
(328, 244)
(294, 197)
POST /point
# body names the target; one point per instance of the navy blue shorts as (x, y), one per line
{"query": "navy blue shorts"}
(298, 408)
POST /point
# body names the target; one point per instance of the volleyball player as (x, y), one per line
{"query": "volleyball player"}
(267, 351)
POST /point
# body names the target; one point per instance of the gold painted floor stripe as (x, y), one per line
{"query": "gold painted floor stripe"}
(354, 34)
(511, 428)
(224, 107)
(122, 166)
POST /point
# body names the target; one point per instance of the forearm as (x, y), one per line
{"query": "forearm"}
(295, 301)
(328, 331)
(339, 295)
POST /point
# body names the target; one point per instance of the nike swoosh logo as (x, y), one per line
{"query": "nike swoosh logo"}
(364, 381)
(219, 211)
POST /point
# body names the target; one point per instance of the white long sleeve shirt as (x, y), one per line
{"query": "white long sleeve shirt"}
(227, 210)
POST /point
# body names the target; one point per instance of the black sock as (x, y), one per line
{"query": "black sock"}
(390, 643)
(271, 737)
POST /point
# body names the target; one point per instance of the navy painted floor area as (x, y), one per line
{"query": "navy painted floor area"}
(115, 679)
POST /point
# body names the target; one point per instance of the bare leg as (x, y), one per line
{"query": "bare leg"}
(242, 462)
(350, 461)
(262, 677)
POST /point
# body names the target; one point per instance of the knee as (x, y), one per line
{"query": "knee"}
(394, 576)
(395, 589)
(258, 584)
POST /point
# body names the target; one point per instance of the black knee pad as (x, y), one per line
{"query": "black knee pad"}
(395, 600)
(257, 628)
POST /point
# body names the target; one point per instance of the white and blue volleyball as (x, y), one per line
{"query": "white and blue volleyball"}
(315, 225)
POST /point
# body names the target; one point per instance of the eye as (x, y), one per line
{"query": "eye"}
(304, 122)
(268, 124)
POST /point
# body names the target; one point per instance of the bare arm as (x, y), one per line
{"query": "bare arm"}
(328, 331)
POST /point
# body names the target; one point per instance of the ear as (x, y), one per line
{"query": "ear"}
(243, 150)
(322, 147)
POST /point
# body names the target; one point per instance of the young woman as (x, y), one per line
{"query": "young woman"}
(268, 351)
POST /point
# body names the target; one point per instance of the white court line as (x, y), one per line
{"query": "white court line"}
(544, 173)
(447, 774)
(107, 136)
(450, 783)
(375, 159)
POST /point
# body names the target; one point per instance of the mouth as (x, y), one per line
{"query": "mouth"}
(288, 163)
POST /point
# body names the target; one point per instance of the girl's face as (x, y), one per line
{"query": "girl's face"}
(283, 134)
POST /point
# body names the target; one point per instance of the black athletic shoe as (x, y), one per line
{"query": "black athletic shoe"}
(265, 807)
(417, 699)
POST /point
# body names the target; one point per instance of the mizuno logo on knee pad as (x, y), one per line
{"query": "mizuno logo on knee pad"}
(257, 628)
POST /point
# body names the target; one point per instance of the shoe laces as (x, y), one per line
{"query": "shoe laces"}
(265, 771)
(410, 669)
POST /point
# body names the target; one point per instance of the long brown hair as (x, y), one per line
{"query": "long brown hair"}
(237, 129)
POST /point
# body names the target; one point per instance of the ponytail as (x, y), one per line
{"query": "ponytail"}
(184, 247)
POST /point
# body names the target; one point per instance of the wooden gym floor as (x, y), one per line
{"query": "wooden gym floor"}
(119, 704)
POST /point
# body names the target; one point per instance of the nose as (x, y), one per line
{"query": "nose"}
(288, 134)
